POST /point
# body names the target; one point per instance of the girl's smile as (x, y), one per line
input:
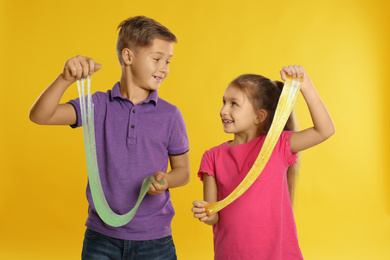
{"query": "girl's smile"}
(237, 113)
(226, 121)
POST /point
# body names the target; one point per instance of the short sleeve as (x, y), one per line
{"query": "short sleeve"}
(76, 105)
(207, 165)
(178, 140)
(285, 148)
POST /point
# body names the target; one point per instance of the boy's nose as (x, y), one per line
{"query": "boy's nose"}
(164, 68)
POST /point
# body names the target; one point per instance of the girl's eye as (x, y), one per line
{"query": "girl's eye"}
(156, 59)
(167, 62)
(224, 102)
(234, 104)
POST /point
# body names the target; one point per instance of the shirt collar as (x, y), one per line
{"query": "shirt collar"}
(115, 93)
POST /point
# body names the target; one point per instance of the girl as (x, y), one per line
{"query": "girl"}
(259, 224)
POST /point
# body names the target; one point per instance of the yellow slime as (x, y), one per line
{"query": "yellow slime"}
(283, 110)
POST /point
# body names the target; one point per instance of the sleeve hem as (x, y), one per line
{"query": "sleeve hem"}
(176, 154)
(291, 157)
(77, 118)
(201, 172)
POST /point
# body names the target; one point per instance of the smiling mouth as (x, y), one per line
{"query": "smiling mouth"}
(158, 78)
(225, 122)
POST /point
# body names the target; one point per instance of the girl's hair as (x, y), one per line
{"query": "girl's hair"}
(264, 93)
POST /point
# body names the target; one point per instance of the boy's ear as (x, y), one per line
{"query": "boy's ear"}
(261, 116)
(127, 56)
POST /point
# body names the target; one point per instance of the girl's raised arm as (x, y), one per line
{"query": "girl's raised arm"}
(323, 126)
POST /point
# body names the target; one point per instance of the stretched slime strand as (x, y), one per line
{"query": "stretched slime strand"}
(283, 110)
(103, 209)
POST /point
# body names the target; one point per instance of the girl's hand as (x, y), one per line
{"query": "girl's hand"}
(79, 67)
(200, 213)
(156, 188)
(297, 72)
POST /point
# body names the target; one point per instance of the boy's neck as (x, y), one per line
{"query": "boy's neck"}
(130, 90)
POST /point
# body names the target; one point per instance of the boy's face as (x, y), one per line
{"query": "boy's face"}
(150, 65)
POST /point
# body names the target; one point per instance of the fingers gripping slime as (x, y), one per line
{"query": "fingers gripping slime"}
(283, 110)
(103, 209)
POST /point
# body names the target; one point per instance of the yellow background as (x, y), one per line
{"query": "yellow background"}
(343, 196)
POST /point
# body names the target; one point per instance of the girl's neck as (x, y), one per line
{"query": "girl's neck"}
(243, 138)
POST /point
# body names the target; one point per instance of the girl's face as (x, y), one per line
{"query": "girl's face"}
(237, 113)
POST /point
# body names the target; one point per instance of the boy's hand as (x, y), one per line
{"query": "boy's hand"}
(297, 72)
(156, 188)
(200, 213)
(79, 67)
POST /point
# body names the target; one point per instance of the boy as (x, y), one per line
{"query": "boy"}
(136, 133)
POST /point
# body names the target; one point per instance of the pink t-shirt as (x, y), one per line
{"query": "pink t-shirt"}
(259, 224)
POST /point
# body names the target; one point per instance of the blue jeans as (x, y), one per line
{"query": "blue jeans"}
(100, 247)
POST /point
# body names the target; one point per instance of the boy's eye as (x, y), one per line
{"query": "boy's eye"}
(156, 59)
(234, 104)
(167, 62)
(224, 102)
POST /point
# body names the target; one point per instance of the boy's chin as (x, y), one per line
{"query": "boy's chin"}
(151, 88)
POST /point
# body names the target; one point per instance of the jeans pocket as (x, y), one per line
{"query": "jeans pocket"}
(90, 234)
(162, 241)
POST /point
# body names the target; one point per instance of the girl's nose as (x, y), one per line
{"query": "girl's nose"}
(223, 111)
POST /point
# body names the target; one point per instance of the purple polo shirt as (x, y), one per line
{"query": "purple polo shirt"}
(133, 142)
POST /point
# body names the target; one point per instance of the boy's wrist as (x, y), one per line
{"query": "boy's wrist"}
(64, 81)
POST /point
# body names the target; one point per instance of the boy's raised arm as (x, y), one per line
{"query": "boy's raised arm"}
(47, 109)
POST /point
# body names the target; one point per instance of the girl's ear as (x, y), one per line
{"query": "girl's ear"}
(127, 56)
(261, 116)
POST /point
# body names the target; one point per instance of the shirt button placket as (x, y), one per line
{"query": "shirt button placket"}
(132, 132)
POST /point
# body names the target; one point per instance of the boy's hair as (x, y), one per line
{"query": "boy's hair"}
(140, 31)
(264, 93)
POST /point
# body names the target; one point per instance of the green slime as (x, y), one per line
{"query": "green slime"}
(103, 209)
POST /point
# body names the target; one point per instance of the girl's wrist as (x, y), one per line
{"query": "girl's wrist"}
(307, 87)
(213, 219)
